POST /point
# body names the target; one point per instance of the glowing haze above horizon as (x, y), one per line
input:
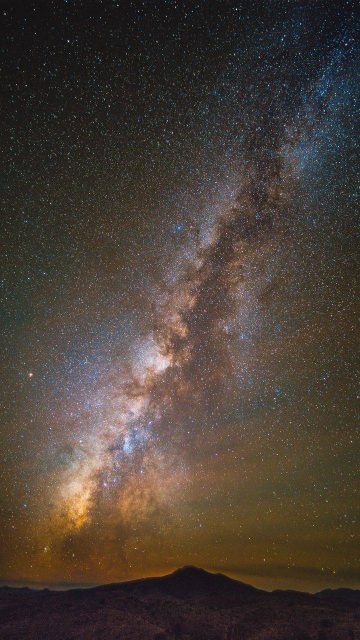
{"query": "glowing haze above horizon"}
(179, 196)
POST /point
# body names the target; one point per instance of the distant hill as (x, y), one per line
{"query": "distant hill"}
(349, 595)
(189, 604)
(187, 583)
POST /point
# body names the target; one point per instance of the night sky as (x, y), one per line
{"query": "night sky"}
(178, 291)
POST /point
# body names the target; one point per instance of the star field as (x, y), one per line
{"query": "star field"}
(179, 201)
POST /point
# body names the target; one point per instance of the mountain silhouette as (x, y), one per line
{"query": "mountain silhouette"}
(188, 582)
(188, 604)
(349, 595)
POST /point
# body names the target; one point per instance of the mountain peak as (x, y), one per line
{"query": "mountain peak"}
(190, 579)
(191, 570)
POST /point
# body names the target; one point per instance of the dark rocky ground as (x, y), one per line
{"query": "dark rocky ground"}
(188, 604)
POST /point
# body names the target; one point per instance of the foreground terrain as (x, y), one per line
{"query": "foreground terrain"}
(187, 604)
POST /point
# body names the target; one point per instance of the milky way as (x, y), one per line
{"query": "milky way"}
(179, 258)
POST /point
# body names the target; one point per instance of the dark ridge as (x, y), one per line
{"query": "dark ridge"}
(188, 604)
(186, 582)
(350, 595)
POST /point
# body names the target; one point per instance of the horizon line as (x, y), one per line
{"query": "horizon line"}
(40, 585)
